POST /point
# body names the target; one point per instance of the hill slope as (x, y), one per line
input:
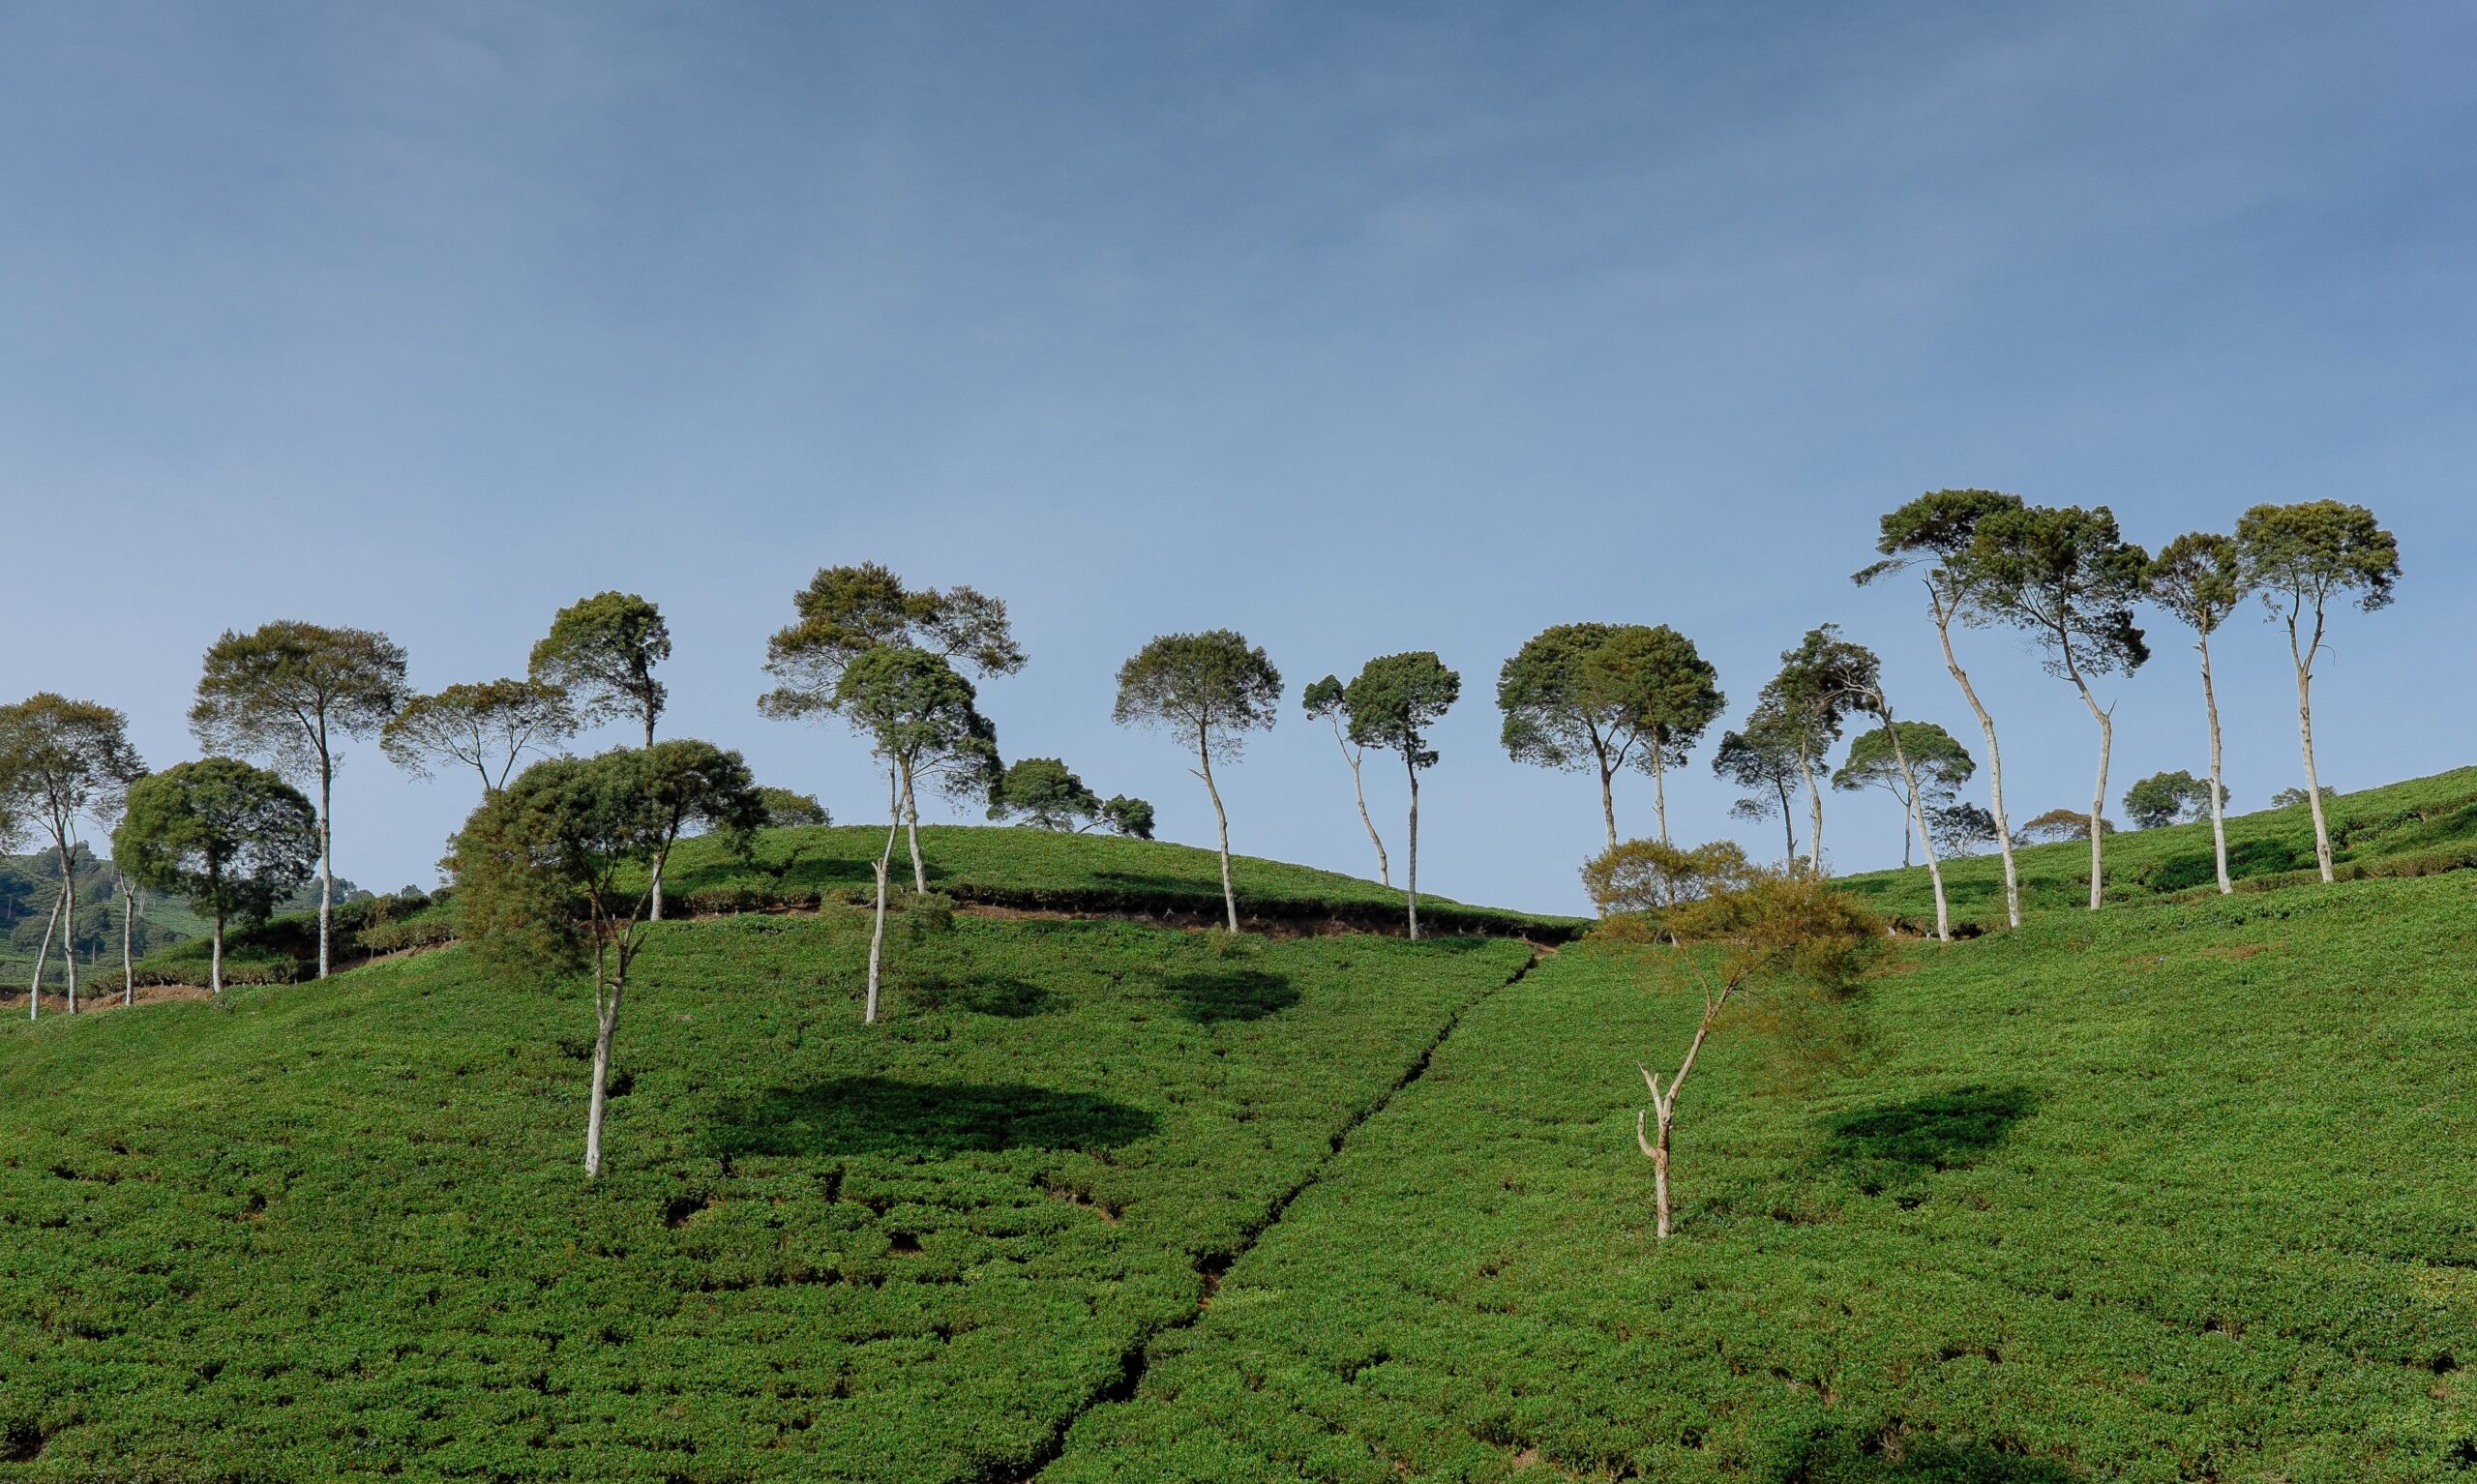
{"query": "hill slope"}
(2174, 1191)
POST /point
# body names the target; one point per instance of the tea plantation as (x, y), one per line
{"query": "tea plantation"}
(2174, 1192)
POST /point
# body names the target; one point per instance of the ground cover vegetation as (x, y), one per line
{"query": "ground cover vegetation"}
(2172, 1192)
(335, 1230)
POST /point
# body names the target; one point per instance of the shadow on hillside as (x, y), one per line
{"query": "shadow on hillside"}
(1845, 1456)
(1012, 1000)
(881, 1116)
(1938, 1131)
(1229, 995)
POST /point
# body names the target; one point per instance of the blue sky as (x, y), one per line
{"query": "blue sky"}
(1357, 329)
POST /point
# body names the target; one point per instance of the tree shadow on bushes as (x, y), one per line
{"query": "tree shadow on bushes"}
(1229, 995)
(1937, 1130)
(881, 1116)
(1845, 1456)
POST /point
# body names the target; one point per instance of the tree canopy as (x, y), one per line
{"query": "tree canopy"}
(2169, 798)
(489, 727)
(1396, 698)
(846, 611)
(1610, 697)
(922, 718)
(230, 838)
(2200, 578)
(1212, 688)
(285, 691)
(602, 650)
(2304, 556)
(1045, 793)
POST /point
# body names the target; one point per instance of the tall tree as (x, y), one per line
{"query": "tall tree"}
(108, 816)
(1323, 701)
(2068, 576)
(291, 692)
(2163, 799)
(1940, 764)
(546, 869)
(846, 611)
(2199, 578)
(1762, 760)
(602, 650)
(1820, 683)
(1047, 794)
(488, 727)
(1612, 696)
(2302, 558)
(1392, 705)
(66, 761)
(922, 718)
(230, 838)
(1935, 532)
(1211, 690)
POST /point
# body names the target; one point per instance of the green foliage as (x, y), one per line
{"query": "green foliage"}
(2068, 576)
(1210, 688)
(2302, 556)
(1820, 684)
(1653, 876)
(61, 760)
(1122, 815)
(2199, 578)
(286, 690)
(336, 1230)
(922, 717)
(1635, 695)
(2096, 1201)
(787, 810)
(2169, 798)
(2061, 824)
(1396, 698)
(229, 839)
(846, 611)
(601, 651)
(488, 727)
(1762, 761)
(2295, 798)
(1938, 759)
(1043, 793)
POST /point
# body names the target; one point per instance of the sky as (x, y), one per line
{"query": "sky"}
(1358, 329)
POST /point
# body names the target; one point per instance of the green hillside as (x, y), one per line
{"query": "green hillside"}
(2415, 829)
(2175, 1191)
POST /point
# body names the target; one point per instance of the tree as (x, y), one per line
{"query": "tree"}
(230, 838)
(108, 816)
(547, 870)
(922, 719)
(63, 761)
(1323, 701)
(846, 611)
(2171, 798)
(1960, 828)
(1762, 760)
(2301, 559)
(1722, 927)
(1937, 758)
(787, 810)
(1820, 683)
(1043, 793)
(2057, 825)
(2291, 798)
(2199, 578)
(1612, 695)
(1131, 817)
(2068, 578)
(291, 692)
(488, 727)
(1392, 705)
(1936, 532)
(601, 651)
(1210, 688)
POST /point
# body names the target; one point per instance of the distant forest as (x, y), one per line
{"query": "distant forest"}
(29, 884)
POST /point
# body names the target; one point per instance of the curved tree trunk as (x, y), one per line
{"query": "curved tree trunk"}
(884, 867)
(1994, 759)
(606, 1021)
(1918, 817)
(68, 918)
(2305, 733)
(1383, 867)
(1221, 818)
(2099, 791)
(1414, 878)
(2218, 793)
(43, 951)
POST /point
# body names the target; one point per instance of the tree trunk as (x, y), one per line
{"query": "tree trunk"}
(2305, 734)
(215, 958)
(2099, 791)
(1789, 828)
(911, 833)
(1659, 792)
(2217, 794)
(128, 938)
(1918, 817)
(1659, 1151)
(606, 1019)
(1384, 868)
(43, 951)
(1414, 878)
(877, 932)
(1994, 759)
(1814, 815)
(326, 852)
(1221, 818)
(68, 918)
(1607, 788)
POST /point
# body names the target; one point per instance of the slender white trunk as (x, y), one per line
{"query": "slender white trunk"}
(1221, 819)
(1659, 792)
(215, 958)
(911, 833)
(1383, 867)
(1917, 818)
(654, 911)
(2217, 794)
(884, 868)
(1607, 790)
(2305, 733)
(1414, 876)
(606, 1019)
(127, 942)
(2099, 789)
(1814, 815)
(326, 853)
(69, 919)
(42, 950)
(1994, 757)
